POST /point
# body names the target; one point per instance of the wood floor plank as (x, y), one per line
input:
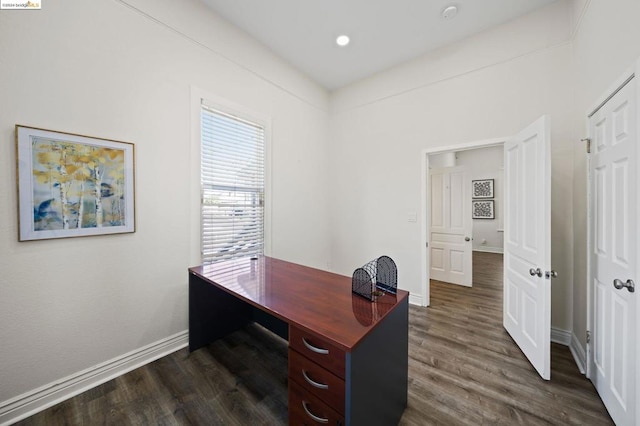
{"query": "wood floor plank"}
(464, 369)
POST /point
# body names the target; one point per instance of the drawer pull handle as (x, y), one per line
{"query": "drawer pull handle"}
(313, 382)
(314, 349)
(315, 418)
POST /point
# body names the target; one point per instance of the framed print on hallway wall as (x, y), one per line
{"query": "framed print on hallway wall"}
(72, 185)
(482, 209)
(482, 188)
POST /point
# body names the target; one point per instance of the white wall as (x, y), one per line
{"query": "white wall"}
(487, 163)
(606, 43)
(489, 86)
(124, 70)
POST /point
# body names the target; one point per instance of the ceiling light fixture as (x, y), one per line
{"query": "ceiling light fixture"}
(342, 40)
(449, 12)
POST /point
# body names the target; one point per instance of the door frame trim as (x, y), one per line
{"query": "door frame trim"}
(425, 195)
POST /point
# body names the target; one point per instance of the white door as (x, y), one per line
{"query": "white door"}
(614, 225)
(527, 244)
(450, 227)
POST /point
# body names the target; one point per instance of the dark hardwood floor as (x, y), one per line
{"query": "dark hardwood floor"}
(464, 369)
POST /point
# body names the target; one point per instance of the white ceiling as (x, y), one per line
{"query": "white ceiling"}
(383, 33)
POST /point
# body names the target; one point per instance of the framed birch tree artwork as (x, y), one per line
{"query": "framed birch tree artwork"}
(72, 185)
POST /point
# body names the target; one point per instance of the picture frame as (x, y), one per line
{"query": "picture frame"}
(482, 188)
(72, 185)
(482, 209)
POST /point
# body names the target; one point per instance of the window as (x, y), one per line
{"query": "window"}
(232, 179)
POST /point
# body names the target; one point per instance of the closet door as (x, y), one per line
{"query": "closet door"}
(614, 228)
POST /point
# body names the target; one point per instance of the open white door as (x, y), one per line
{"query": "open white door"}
(450, 226)
(613, 129)
(527, 244)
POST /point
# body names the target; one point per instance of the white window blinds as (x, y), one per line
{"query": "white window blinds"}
(232, 174)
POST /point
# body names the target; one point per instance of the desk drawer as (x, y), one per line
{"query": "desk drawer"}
(318, 350)
(306, 409)
(317, 380)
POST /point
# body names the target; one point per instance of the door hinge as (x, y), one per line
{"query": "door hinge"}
(588, 336)
(427, 243)
(588, 141)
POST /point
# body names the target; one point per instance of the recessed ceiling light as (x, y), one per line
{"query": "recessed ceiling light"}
(342, 40)
(449, 12)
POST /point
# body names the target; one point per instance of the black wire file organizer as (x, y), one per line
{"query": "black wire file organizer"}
(376, 278)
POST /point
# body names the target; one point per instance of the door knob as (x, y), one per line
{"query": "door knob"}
(467, 239)
(630, 285)
(550, 274)
(534, 272)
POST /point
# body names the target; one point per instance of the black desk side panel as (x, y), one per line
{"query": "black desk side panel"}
(271, 323)
(213, 313)
(377, 373)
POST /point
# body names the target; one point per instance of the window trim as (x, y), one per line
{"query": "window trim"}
(199, 97)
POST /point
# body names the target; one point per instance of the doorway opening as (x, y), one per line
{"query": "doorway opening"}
(461, 183)
(527, 269)
(466, 228)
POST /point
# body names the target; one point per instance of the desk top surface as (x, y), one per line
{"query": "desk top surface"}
(319, 301)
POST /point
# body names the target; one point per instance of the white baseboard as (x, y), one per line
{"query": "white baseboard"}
(415, 299)
(489, 249)
(579, 354)
(567, 338)
(36, 400)
(560, 336)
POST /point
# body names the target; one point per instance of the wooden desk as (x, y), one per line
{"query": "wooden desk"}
(348, 357)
